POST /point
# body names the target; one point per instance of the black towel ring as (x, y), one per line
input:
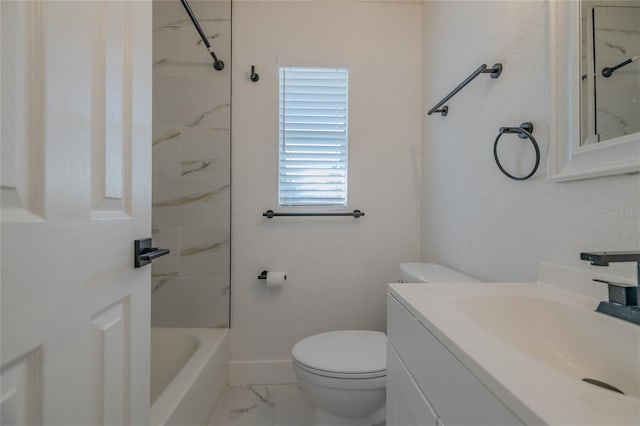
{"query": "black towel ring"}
(524, 132)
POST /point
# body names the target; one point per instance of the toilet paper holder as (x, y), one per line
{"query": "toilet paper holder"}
(263, 275)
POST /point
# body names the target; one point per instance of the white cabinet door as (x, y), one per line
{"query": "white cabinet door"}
(75, 183)
(457, 395)
(406, 406)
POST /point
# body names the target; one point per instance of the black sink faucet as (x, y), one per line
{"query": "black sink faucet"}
(623, 299)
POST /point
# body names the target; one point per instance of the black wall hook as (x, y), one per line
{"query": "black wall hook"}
(254, 75)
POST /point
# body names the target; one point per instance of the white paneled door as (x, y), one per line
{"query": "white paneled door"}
(76, 180)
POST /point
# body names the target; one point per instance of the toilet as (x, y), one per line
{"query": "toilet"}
(344, 372)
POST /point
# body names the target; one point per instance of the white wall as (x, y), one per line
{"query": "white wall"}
(474, 218)
(337, 268)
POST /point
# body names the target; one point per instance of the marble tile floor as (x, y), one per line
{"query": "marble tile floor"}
(264, 405)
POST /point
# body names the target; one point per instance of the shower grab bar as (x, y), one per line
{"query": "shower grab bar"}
(356, 213)
(494, 71)
(217, 63)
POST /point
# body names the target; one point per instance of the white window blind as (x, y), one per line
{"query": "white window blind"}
(313, 136)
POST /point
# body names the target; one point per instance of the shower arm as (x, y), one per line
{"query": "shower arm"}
(217, 63)
(607, 71)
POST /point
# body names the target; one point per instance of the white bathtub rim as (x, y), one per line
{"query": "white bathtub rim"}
(169, 399)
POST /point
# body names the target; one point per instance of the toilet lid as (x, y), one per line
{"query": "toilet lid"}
(347, 351)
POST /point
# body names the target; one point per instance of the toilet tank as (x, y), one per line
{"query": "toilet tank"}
(431, 273)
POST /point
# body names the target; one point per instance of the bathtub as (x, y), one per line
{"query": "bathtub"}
(188, 374)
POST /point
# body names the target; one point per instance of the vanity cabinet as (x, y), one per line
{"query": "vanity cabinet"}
(406, 404)
(428, 385)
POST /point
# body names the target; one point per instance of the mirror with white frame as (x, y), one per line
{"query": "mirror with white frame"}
(594, 120)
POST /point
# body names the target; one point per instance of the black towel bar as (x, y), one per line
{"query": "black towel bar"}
(356, 213)
(494, 71)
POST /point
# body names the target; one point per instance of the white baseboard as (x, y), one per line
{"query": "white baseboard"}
(272, 372)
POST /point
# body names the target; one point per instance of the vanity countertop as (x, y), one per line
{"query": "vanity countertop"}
(531, 344)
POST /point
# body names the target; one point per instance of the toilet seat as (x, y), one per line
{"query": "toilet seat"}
(349, 354)
(334, 375)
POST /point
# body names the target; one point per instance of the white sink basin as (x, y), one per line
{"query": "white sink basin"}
(580, 343)
(532, 344)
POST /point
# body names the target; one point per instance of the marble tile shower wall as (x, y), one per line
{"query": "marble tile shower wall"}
(191, 165)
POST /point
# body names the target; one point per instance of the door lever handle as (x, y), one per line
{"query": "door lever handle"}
(143, 253)
(153, 253)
